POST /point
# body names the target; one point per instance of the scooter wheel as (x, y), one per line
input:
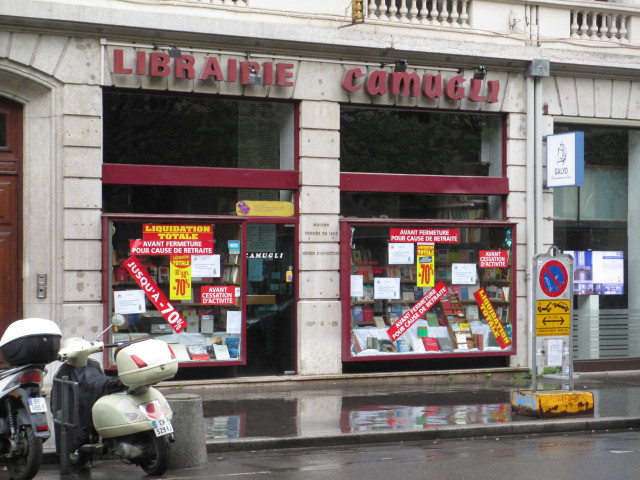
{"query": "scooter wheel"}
(26, 465)
(159, 457)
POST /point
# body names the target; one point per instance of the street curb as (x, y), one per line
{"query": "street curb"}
(534, 427)
(436, 433)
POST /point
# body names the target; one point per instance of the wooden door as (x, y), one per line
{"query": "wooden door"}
(10, 213)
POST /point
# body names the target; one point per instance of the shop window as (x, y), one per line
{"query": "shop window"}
(145, 129)
(420, 142)
(598, 225)
(426, 289)
(184, 286)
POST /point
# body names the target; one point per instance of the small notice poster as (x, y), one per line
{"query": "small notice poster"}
(205, 266)
(128, 301)
(180, 277)
(386, 288)
(425, 266)
(463, 274)
(400, 253)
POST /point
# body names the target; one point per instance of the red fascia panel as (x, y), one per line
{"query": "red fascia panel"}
(443, 184)
(199, 176)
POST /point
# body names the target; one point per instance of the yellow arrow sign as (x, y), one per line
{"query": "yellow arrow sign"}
(553, 318)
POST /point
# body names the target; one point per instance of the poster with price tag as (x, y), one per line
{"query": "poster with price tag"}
(180, 277)
(425, 265)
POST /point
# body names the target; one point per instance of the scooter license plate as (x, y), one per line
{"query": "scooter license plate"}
(162, 427)
(37, 405)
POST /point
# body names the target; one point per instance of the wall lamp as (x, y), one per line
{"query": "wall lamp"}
(254, 77)
(399, 66)
(479, 73)
(174, 51)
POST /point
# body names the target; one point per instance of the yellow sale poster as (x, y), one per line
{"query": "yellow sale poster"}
(425, 266)
(180, 277)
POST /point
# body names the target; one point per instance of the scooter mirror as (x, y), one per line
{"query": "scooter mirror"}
(118, 320)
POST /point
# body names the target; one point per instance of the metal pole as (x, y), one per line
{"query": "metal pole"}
(69, 409)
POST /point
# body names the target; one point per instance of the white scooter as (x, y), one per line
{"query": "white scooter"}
(31, 344)
(131, 419)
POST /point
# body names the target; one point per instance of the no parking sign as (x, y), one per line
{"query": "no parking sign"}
(551, 316)
(554, 288)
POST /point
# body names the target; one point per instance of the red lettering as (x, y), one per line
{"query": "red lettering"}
(118, 63)
(212, 68)
(141, 63)
(454, 89)
(267, 73)
(377, 83)
(494, 88)
(184, 64)
(474, 94)
(349, 77)
(232, 70)
(282, 73)
(432, 86)
(159, 64)
(409, 81)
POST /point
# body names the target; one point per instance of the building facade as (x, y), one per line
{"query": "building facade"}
(280, 187)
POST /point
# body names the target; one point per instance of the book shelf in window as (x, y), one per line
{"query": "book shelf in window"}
(468, 331)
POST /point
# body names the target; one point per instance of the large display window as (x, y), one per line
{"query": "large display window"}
(425, 289)
(179, 280)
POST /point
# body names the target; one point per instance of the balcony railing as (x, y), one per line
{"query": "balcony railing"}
(599, 25)
(544, 20)
(449, 13)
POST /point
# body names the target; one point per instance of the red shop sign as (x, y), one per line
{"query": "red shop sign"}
(424, 235)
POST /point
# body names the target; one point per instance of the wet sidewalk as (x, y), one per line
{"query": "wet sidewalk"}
(279, 412)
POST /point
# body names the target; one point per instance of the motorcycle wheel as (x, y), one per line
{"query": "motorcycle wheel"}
(159, 457)
(26, 466)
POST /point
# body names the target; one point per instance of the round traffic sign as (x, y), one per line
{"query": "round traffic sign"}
(553, 278)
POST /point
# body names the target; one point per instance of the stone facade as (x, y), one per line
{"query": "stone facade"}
(59, 79)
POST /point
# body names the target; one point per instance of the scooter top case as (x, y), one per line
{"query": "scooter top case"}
(125, 413)
(31, 340)
(145, 362)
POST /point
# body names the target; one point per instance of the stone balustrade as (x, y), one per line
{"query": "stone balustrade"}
(599, 24)
(446, 13)
(547, 20)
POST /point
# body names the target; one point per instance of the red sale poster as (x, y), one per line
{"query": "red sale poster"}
(151, 289)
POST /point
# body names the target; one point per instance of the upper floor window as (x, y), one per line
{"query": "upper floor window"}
(147, 129)
(410, 142)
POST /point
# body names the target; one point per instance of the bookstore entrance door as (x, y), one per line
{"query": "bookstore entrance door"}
(270, 299)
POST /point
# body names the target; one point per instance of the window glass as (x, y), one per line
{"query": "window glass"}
(197, 131)
(594, 217)
(430, 289)
(379, 140)
(203, 288)
(392, 205)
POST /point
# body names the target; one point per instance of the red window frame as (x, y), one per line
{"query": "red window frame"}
(345, 285)
(180, 176)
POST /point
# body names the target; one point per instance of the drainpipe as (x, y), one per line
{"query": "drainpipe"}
(537, 69)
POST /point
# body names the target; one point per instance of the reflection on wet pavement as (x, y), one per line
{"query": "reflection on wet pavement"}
(418, 418)
(334, 411)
